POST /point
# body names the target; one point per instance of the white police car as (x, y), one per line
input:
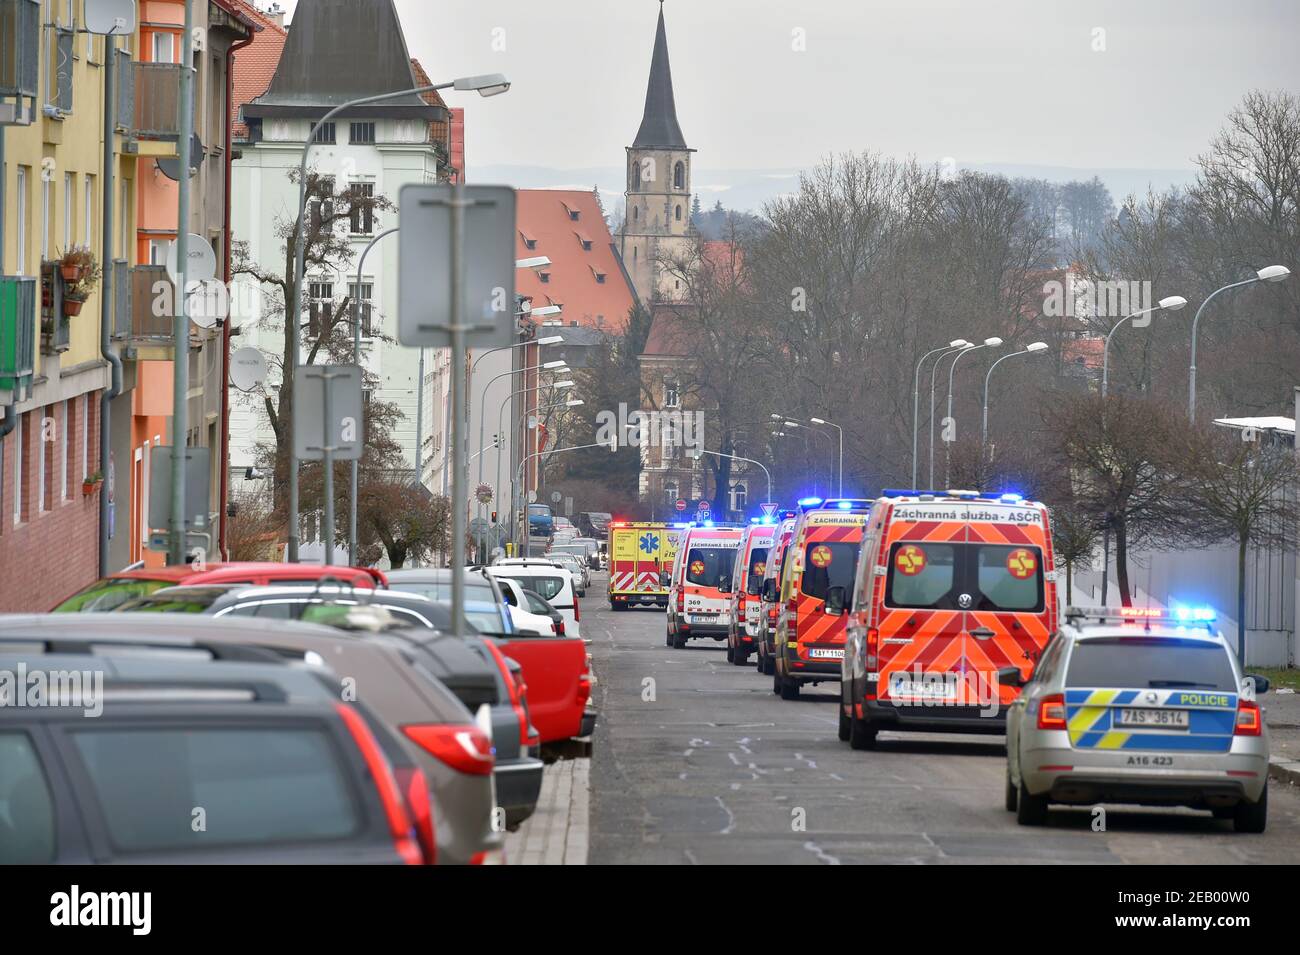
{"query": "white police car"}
(1139, 706)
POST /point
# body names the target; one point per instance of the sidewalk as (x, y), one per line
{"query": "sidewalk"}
(557, 833)
(1282, 715)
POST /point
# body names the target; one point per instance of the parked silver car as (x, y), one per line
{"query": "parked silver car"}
(1138, 706)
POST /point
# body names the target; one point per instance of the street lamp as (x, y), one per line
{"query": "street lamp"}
(1173, 303)
(916, 402)
(557, 386)
(947, 445)
(518, 478)
(490, 84)
(1270, 273)
(831, 424)
(1027, 350)
(956, 349)
(736, 457)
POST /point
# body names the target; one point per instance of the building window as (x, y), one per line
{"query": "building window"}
(739, 496)
(158, 251)
(22, 219)
(69, 207)
(600, 278)
(320, 306)
(363, 133)
(679, 176)
(164, 48)
(636, 213)
(671, 491)
(63, 450)
(324, 134)
(678, 213)
(87, 209)
(45, 219)
(672, 398)
(363, 209)
(84, 415)
(545, 277)
(361, 295)
(18, 473)
(321, 205)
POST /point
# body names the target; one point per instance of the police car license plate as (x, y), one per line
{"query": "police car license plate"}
(1153, 719)
(826, 653)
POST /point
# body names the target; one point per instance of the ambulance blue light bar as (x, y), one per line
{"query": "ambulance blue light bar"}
(807, 502)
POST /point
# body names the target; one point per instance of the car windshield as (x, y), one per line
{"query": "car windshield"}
(546, 587)
(111, 593)
(172, 601)
(263, 784)
(827, 565)
(707, 566)
(1159, 662)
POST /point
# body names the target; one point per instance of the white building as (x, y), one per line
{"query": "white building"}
(337, 51)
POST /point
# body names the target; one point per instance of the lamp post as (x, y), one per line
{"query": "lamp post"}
(934, 373)
(488, 85)
(795, 425)
(501, 424)
(947, 445)
(916, 400)
(1270, 273)
(736, 457)
(1029, 349)
(518, 476)
(519, 423)
(1173, 303)
(839, 491)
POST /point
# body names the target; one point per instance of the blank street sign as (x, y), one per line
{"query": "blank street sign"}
(197, 487)
(346, 433)
(424, 266)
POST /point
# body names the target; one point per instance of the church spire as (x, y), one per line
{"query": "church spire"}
(659, 124)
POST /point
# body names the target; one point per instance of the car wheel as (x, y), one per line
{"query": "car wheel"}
(739, 657)
(862, 735)
(669, 639)
(1030, 810)
(776, 682)
(679, 641)
(769, 665)
(844, 725)
(789, 689)
(1009, 797)
(731, 654)
(1252, 816)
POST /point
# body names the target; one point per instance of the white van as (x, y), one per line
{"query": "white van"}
(553, 584)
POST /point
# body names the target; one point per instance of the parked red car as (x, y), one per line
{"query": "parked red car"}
(116, 589)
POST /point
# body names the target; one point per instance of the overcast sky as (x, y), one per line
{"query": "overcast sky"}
(1081, 83)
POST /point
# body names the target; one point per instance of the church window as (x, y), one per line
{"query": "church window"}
(679, 176)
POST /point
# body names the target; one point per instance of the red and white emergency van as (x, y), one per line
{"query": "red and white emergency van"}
(697, 604)
(746, 580)
(955, 599)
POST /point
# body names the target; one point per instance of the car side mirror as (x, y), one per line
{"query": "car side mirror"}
(665, 579)
(769, 591)
(724, 585)
(754, 585)
(835, 599)
(1010, 676)
(1261, 682)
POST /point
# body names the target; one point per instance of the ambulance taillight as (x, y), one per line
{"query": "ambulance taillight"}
(873, 646)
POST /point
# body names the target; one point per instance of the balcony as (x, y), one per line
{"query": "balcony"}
(149, 97)
(144, 319)
(20, 42)
(18, 301)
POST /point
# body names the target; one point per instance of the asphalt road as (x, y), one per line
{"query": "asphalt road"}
(697, 761)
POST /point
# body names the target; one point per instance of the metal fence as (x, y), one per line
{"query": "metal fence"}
(17, 335)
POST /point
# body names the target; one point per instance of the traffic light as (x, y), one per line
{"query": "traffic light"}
(494, 517)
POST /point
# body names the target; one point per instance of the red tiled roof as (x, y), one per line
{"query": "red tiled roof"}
(543, 215)
(1084, 351)
(669, 336)
(255, 64)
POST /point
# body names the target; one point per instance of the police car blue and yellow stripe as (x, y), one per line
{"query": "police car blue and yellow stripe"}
(1092, 722)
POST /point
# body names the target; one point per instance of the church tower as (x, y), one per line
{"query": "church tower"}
(657, 221)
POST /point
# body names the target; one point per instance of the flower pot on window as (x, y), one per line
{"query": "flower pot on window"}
(72, 306)
(71, 272)
(91, 483)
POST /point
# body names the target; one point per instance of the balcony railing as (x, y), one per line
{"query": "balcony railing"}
(156, 104)
(152, 298)
(121, 299)
(18, 300)
(20, 43)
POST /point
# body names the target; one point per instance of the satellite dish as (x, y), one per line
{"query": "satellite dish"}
(170, 167)
(202, 261)
(247, 368)
(110, 17)
(206, 302)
